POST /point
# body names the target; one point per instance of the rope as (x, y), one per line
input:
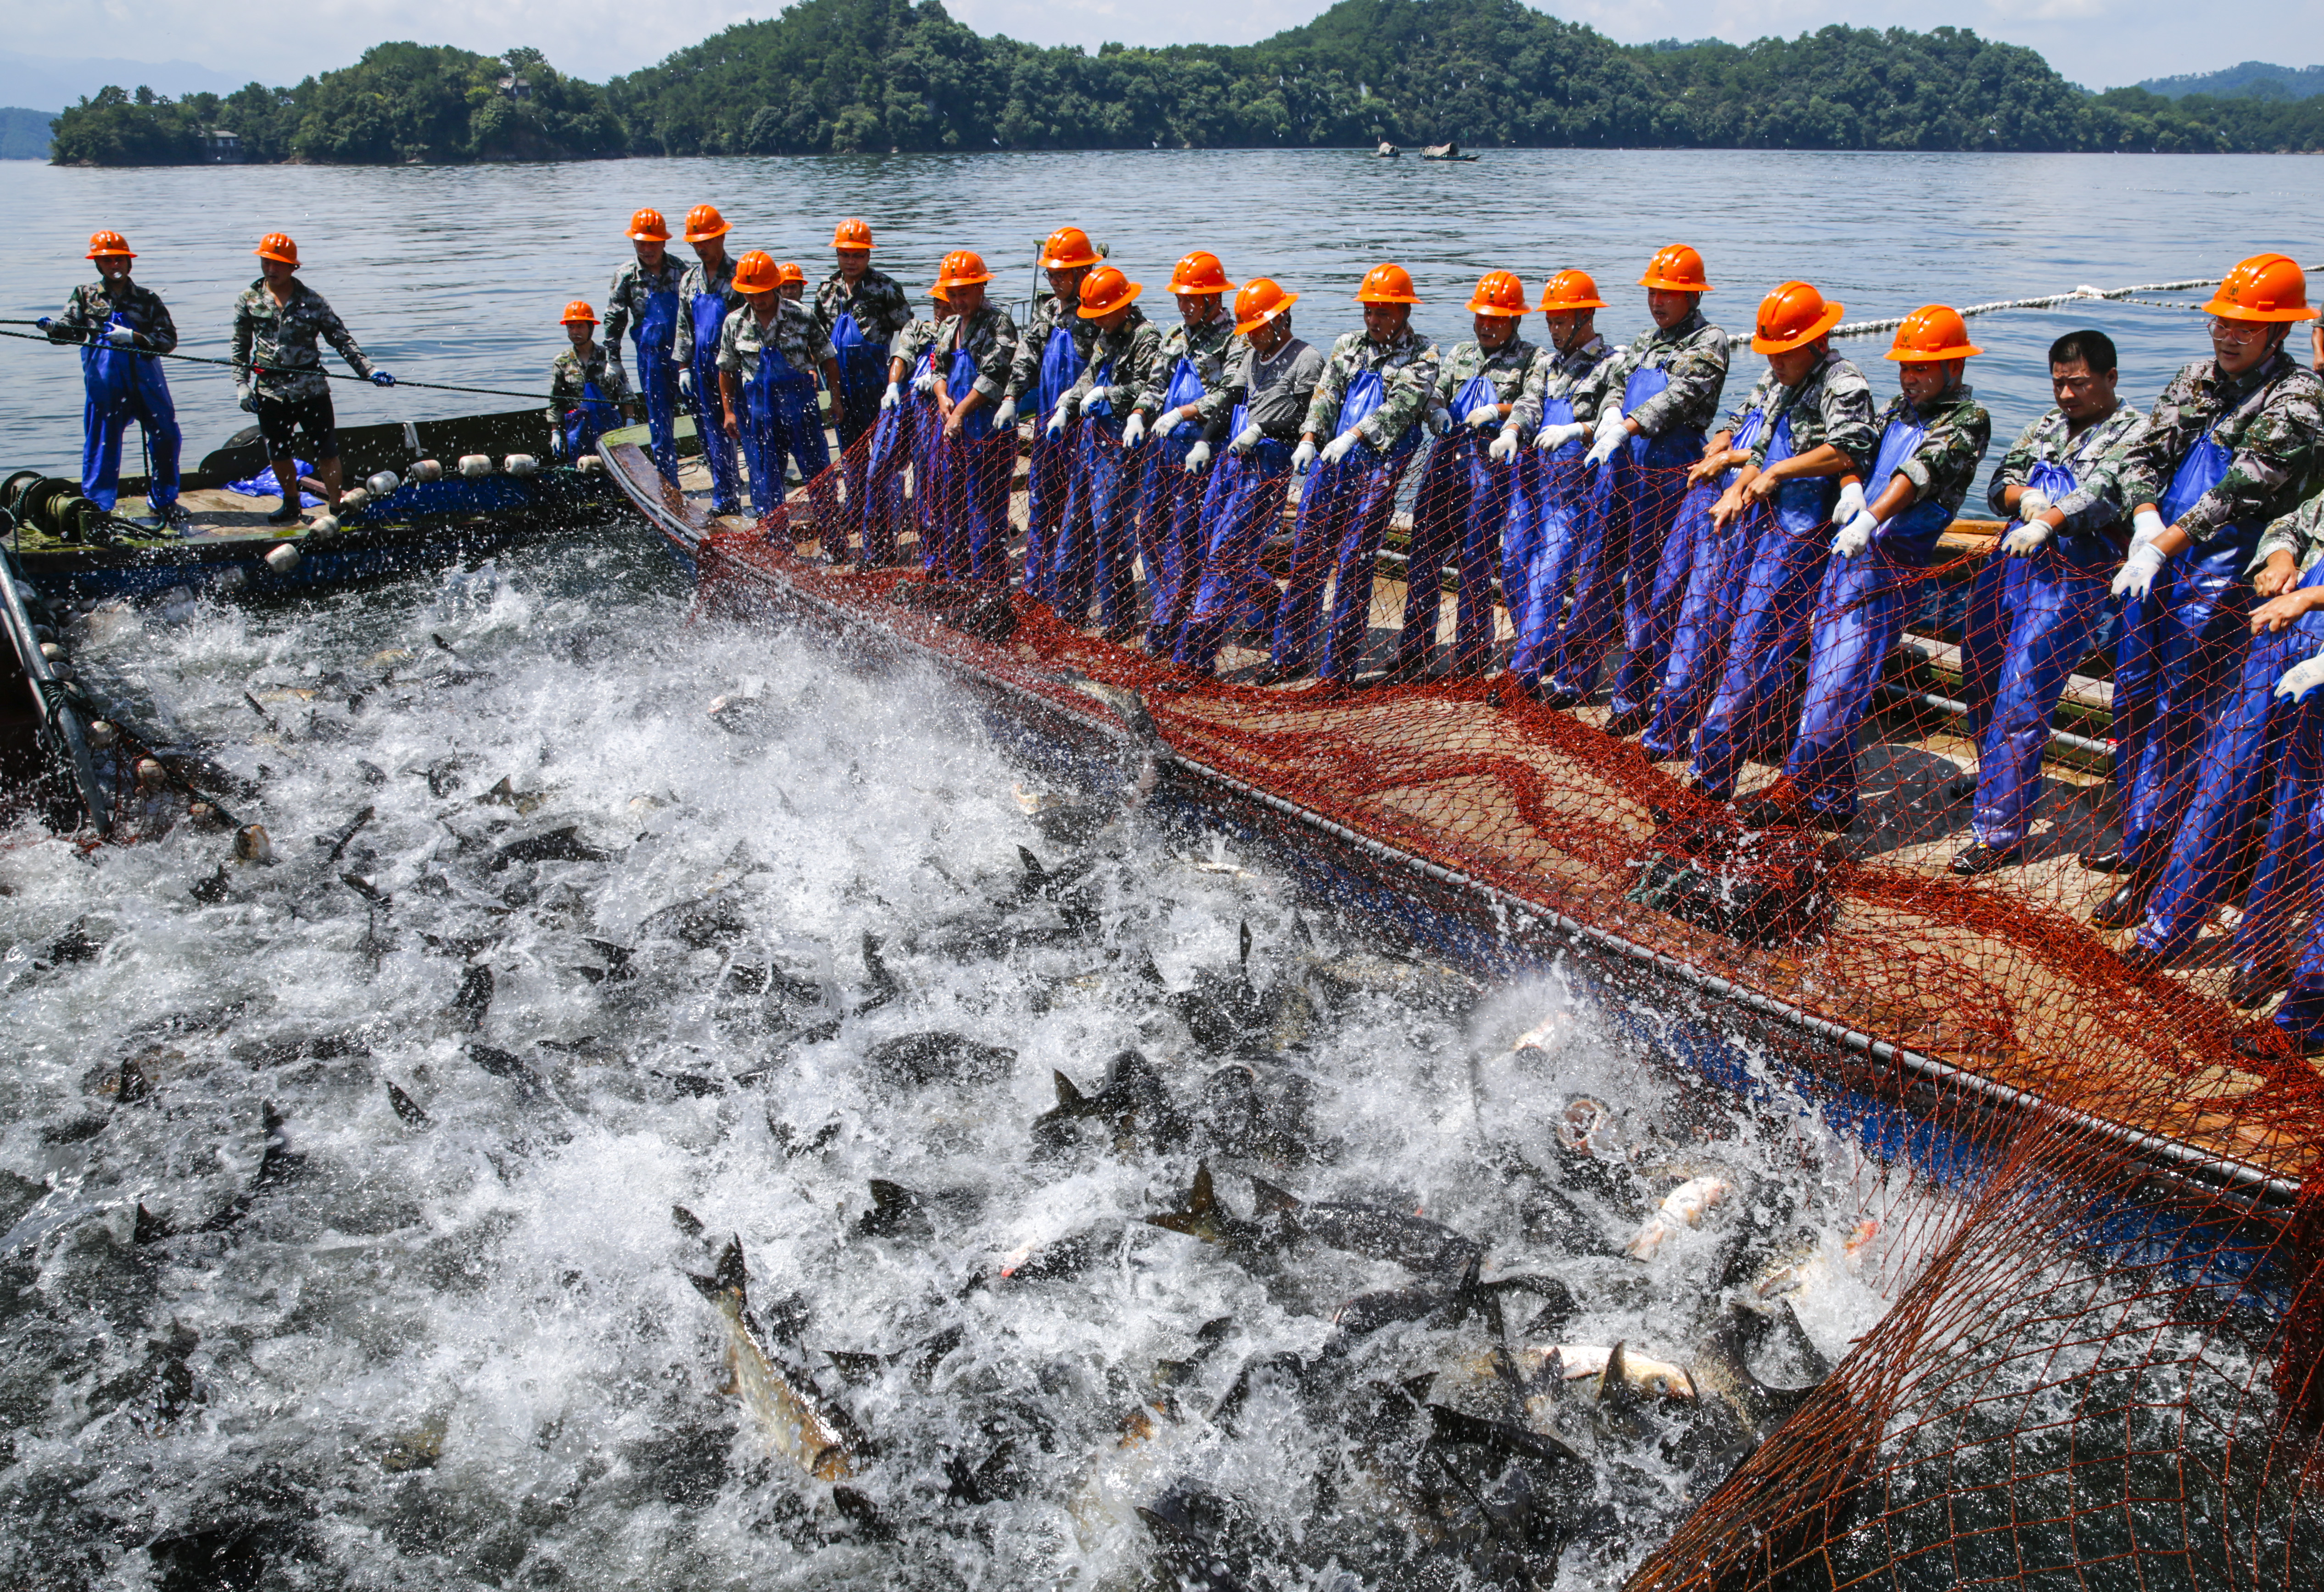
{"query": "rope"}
(1859, 329)
(339, 376)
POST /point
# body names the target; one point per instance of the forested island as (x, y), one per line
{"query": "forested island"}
(850, 77)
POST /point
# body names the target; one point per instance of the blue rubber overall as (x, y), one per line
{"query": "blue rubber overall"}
(1537, 545)
(121, 387)
(1343, 515)
(1458, 518)
(1048, 472)
(1859, 618)
(2289, 868)
(581, 425)
(2029, 621)
(709, 313)
(1097, 551)
(1716, 558)
(881, 499)
(1170, 515)
(862, 379)
(781, 422)
(973, 467)
(1240, 509)
(654, 334)
(931, 518)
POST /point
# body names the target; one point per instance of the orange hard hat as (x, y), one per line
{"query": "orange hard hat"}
(647, 226)
(1498, 292)
(789, 271)
(704, 223)
(2266, 287)
(1387, 284)
(109, 243)
(1067, 247)
(1106, 290)
(1200, 272)
(1677, 269)
(755, 273)
(1570, 290)
(277, 246)
(1792, 317)
(1931, 334)
(1261, 300)
(854, 233)
(962, 268)
(578, 310)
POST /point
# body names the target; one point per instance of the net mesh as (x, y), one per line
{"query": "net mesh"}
(2101, 1365)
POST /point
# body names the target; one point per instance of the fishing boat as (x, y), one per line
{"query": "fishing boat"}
(1519, 837)
(1443, 151)
(47, 768)
(492, 485)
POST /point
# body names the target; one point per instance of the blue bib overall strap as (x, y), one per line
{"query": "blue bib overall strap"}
(708, 312)
(654, 334)
(1185, 387)
(121, 387)
(1061, 367)
(863, 374)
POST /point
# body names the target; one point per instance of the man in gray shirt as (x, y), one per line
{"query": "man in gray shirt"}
(1276, 375)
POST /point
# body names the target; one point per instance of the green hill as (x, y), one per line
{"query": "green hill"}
(2254, 78)
(848, 76)
(25, 134)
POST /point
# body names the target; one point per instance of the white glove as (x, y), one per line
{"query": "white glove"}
(1485, 415)
(1855, 536)
(1342, 445)
(2300, 678)
(242, 399)
(1440, 421)
(1503, 445)
(1302, 458)
(2023, 541)
(1849, 504)
(1550, 438)
(685, 380)
(925, 383)
(120, 337)
(2137, 576)
(615, 370)
(2033, 504)
(1097, 395)
(1133, 431)
(1612, 434)
(2145, 525)
(1245, 439)
(892, 396)
(1057, 426)
(1198, 458)
(1005, 417)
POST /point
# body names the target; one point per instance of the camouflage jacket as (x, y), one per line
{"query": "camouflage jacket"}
(1024, 375)
(1406, 368)
(568, 375)
(1832, 403)
(914, 338)
(93, 304)
(797, 335)
(625, 300)
(694, 283)
(879, 306)
(1693, 355)
(1942, 466)
(2268, 418)
(1129, 352)
(2299, 533)
(2051, 441)
(275, 351)
(1578, 378)
(1509, 368)
(989, 339)
(1214, 352)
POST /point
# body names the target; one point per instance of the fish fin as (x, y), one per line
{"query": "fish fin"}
(1272, 1201)
(859, 1509)
(1037, 877)
(150, 1228)
(686, 1221)
(406, 1107)
(1450, 1426)
(1175, 1221)
(856, 1368)
(1213, 1331)
(1152, 974)
(1614, 1382)
(1246, 944)
(1203, 1200)
(1069, 1098)
(889, 1197)
(731, 1273)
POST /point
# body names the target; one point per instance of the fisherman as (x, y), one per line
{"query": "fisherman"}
(791, 281)
(1097, 551)
(1463, 503)
(588, 388)
(2036, 609)
(769, 350)
(1801, 472)
(1274, 382)
(861, 310)
(706, 296)
(122, 327)
(644, 301)
(975, 351)
(1933, 437)
(278, 371)
(1049, 360)
(1368, 403)
(2231, 445)
(1537, 547)
(1184, 405)
(1662, 394)
(900, 438)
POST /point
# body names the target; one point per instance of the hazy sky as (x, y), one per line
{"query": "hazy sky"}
(2098, 43)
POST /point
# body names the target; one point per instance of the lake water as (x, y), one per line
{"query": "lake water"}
(458, 274)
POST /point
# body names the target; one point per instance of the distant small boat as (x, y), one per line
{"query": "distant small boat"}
(1386, 151)
(1444, 151)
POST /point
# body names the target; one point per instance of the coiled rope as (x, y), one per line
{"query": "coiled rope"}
(340, 376)
(2121, 295)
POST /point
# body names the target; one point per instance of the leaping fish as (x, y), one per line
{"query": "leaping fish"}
(1683, 1207)
(802, 1426)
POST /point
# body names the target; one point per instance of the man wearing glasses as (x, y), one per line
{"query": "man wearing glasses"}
(2231, 444)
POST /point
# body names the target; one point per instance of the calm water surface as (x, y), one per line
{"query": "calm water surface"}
(457, 275)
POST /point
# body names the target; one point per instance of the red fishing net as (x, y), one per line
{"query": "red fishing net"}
(2101, 1367)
